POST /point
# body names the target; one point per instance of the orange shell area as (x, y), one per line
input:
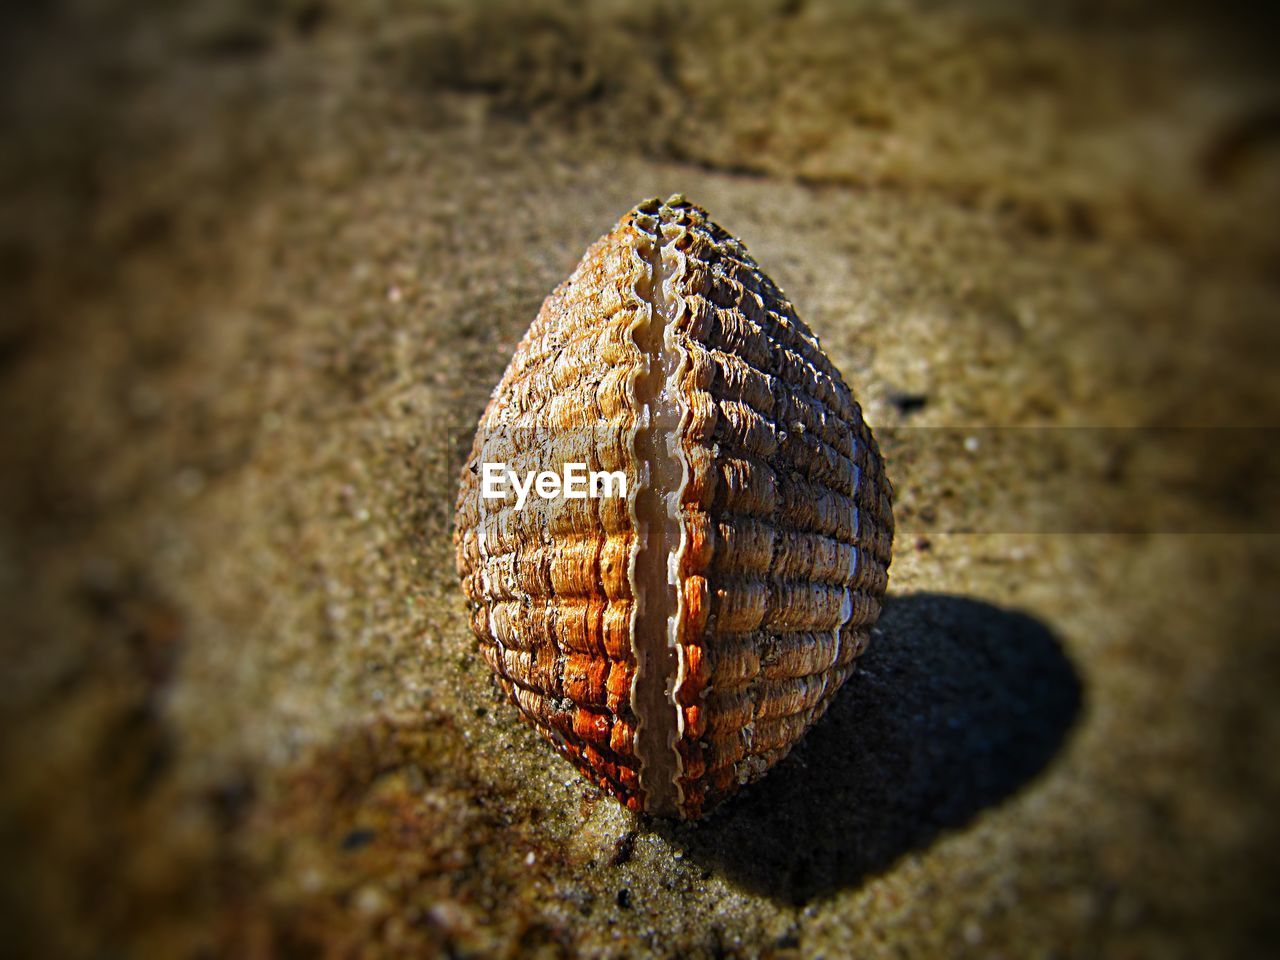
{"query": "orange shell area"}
(785, 515)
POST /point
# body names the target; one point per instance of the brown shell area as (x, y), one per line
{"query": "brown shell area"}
(548, 587)
(787, 515)
(784, 513)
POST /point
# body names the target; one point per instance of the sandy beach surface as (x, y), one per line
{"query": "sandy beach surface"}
(261, 264)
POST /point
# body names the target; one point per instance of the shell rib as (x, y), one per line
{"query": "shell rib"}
(675, 643)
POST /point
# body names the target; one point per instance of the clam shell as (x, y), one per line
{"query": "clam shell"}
(675, 643)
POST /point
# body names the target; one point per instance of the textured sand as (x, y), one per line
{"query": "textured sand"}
(261, 265)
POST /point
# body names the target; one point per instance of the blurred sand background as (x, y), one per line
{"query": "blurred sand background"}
(261, 263)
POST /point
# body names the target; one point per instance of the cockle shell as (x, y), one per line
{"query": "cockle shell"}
(675, 643)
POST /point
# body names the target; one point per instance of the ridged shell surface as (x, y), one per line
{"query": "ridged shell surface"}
(676, 642)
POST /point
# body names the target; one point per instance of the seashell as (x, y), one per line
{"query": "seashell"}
(674, 642)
